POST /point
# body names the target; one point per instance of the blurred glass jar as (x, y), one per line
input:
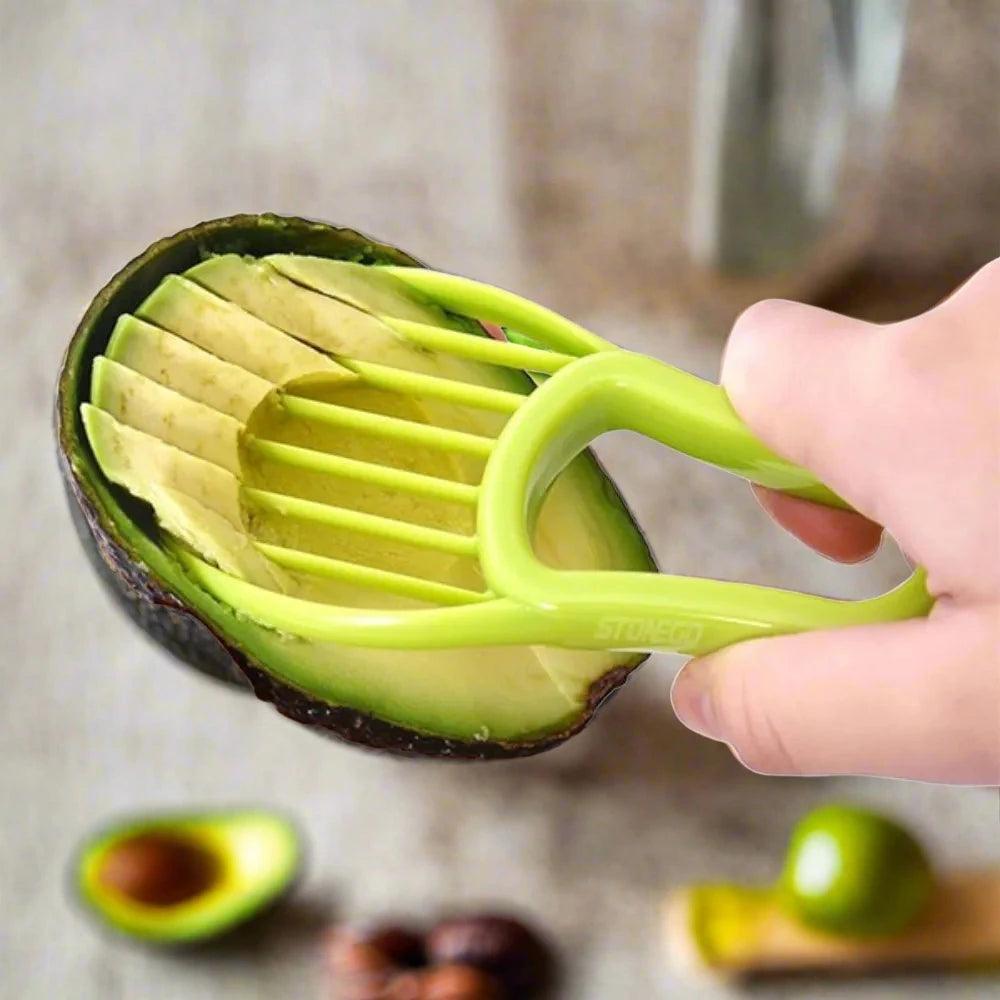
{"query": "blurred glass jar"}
(687, 158)
(792, 106)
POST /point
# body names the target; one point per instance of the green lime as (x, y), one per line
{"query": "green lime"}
(853, 872)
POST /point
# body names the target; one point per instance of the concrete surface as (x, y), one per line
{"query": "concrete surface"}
(123, 121)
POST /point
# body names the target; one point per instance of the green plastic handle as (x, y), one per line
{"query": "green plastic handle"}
(617, 390)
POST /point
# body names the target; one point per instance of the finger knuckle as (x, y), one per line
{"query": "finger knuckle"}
(752, 733)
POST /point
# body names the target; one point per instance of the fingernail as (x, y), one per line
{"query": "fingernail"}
(692, 698)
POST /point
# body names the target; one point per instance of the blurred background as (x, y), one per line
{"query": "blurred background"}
(649, 168)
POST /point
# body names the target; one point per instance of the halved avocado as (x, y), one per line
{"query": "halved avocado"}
(179, 878)
(194, 333)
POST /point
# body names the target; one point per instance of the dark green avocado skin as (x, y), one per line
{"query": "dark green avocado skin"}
(145, 598)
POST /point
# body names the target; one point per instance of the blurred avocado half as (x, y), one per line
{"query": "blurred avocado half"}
(184, 878)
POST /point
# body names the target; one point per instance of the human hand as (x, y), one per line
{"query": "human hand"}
(903, 421)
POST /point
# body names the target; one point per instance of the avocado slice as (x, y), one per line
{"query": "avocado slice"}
(179, 365)
(235, 335)
(182, 878)
(196, 335)
(165, 415)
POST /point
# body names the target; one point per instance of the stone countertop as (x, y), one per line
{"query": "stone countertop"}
(124, 121)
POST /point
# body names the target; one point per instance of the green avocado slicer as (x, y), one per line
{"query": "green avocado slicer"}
(587, 387)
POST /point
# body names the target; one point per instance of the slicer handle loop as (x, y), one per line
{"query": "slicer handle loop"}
(618, 390)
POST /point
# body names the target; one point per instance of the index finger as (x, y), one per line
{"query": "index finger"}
(842, 535)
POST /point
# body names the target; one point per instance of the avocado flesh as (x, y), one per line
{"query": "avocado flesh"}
(165, 415)
(258, 855)
(179, 365)
(231, 333)
(512, 694)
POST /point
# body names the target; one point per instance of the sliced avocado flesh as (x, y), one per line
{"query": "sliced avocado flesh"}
(371, 291)
(231, 333)
(166, 415)
(179, 365)
(195, 501)
(327, 323)
(174, 363)
(183, 878)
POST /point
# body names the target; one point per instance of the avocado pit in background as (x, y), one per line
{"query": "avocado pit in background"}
(363, 962)
(501, 946)
(470, 957)
(458, 982)
(159, 869)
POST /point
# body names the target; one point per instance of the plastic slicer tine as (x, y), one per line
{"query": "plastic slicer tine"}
(396, 428)
(416, 384)
(494, 352)
(401, 584)
(369, 524)
(388, 477)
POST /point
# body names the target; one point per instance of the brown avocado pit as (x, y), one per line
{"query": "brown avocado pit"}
(159, 869)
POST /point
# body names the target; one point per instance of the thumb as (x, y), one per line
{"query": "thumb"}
(812, 385)
(915, 699)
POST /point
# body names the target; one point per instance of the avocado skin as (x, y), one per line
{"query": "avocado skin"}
(373, 733)
(164, 618)
(190, 639)
(145, 598)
